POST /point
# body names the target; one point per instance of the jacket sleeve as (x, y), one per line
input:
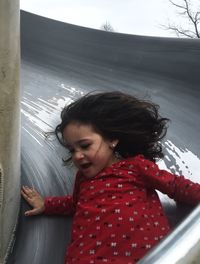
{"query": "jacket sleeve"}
(56, 205)
(176, 187)
(63, 205)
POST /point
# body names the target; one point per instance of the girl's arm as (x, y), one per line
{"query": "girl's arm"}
(59, 205)
(49, 205)
(63, 205)
(176, 187)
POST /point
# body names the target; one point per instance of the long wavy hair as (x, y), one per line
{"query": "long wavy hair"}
(136, 123)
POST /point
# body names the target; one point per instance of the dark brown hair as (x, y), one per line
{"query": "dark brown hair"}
(115, 115)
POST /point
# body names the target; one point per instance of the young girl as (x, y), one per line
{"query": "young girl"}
(114, 141)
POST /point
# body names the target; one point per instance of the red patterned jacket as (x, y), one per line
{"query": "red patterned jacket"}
(118, 216)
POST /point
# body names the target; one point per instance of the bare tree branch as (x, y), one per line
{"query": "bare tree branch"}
(186, 33)
(185, 9)
(197, 17)
(107, 27)
(179, 6)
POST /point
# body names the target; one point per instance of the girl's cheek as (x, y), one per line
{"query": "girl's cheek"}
(74, 162)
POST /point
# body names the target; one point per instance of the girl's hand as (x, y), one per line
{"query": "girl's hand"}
(34, 199)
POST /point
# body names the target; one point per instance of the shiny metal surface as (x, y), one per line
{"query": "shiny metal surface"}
(60, 62)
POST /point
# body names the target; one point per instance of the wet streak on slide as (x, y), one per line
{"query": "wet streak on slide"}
(61, 62)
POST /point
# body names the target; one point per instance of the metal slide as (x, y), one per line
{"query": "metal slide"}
(61, 62)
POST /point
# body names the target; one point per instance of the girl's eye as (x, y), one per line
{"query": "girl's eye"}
(85, 146)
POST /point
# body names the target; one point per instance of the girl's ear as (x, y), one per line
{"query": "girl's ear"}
(113, 143)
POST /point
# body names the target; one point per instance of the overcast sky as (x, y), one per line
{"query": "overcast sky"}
(140, 17)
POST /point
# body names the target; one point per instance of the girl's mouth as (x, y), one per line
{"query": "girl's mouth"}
(85, 166)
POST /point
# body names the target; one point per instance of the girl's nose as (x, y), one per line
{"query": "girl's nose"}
(78, 155)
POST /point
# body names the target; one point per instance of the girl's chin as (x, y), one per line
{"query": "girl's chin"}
(89, 173)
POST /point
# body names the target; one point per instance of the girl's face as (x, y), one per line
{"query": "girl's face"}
(90, 151)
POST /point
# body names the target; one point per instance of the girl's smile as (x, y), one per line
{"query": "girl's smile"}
(90, 151)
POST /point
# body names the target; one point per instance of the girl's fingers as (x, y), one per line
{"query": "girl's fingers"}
(31, 212)
(27, 190)
(34, 199)
(35, 211)
(24, 194)
(31, 196)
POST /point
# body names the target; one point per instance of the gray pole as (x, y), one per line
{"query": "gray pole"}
(9, 123)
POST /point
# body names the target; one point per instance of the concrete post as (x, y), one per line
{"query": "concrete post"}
(9, 123)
